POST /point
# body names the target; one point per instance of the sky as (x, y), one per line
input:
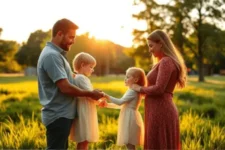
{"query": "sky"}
(104, 19)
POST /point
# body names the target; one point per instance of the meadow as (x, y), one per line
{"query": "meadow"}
(201, 107)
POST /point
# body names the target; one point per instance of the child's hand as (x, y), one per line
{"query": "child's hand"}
(106, 96)
(102, 103)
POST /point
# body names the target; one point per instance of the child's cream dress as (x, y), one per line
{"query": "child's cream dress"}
(85, 126)
(130, 124)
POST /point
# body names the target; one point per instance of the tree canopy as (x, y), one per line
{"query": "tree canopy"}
(192, 25)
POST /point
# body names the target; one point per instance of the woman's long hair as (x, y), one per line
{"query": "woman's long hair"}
(170, 50)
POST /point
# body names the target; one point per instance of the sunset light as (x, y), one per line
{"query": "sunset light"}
(104, 19)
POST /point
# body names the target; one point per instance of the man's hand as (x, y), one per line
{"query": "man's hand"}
(97, 94)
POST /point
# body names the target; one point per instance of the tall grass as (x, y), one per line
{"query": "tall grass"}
(199, 133)
(25, 134)
(201, 107)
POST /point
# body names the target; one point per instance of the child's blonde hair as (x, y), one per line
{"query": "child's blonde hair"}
(82, 58)
(138, 73)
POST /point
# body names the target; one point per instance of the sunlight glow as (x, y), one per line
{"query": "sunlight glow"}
(104, 19)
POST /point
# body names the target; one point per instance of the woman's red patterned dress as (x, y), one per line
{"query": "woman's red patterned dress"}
(161, 115)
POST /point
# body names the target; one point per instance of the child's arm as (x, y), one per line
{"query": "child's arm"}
(103, 104)
(128, 96)
(112, 105)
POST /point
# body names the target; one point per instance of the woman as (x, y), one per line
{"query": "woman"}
(161, 115)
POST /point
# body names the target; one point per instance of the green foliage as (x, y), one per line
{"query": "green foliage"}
(0, 31)
(110, 57)
(207, 110)
(154, 20)
(194, 27)
(7, 51)
(29, 52)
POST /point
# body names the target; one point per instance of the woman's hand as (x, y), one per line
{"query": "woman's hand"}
(136, 87)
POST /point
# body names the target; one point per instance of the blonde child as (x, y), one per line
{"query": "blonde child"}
(85, 126)
(130, 124)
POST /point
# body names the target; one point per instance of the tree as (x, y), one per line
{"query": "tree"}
(183, 25)
(206, 11)
(109, 56)
(153, 20)
(7, 51)
(214, 46)
(29, 52)
(0, 32)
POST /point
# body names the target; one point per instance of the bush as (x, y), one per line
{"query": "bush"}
(207, 110)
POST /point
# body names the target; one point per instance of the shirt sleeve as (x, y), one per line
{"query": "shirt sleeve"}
(164, 73)
(128, 96)
(55, 68)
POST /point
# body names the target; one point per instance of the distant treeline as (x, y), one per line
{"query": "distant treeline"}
(196, 28)
(111, 58)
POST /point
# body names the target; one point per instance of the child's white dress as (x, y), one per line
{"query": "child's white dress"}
(85, 126)
(130, 124)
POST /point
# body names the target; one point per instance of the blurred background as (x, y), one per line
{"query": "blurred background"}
(115, 33)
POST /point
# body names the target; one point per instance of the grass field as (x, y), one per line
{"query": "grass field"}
(201, 107)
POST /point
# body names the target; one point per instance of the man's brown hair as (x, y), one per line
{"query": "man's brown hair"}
(63, 25)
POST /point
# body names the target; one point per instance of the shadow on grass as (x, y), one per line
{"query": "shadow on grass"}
(12, 106)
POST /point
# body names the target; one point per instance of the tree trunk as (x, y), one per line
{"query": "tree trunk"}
(200, 51)
(201, 70)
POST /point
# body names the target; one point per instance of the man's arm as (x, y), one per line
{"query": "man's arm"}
(69, 89)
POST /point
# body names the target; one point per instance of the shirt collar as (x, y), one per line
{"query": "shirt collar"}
(57, 48)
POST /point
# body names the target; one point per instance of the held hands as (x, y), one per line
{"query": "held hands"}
(97, 94)
(136, 87)
(103, 101)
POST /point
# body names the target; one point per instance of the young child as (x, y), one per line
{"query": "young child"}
(130, 128)
(85, 127)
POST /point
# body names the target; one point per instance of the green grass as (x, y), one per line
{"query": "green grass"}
(201, 107)
(9, 80)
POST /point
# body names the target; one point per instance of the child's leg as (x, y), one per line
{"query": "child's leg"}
(82, 145)
(130, 146)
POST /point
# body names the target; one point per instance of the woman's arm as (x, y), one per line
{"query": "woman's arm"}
(164, 73)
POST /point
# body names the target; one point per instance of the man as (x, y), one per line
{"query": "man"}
(56, 91)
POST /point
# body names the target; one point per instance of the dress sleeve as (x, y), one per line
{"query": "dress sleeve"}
(84, 83)
(128, 96)
(164, 73)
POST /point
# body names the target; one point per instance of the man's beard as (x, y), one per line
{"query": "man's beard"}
(65, 46)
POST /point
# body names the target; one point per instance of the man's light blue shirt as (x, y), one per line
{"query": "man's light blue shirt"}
(53, 66)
